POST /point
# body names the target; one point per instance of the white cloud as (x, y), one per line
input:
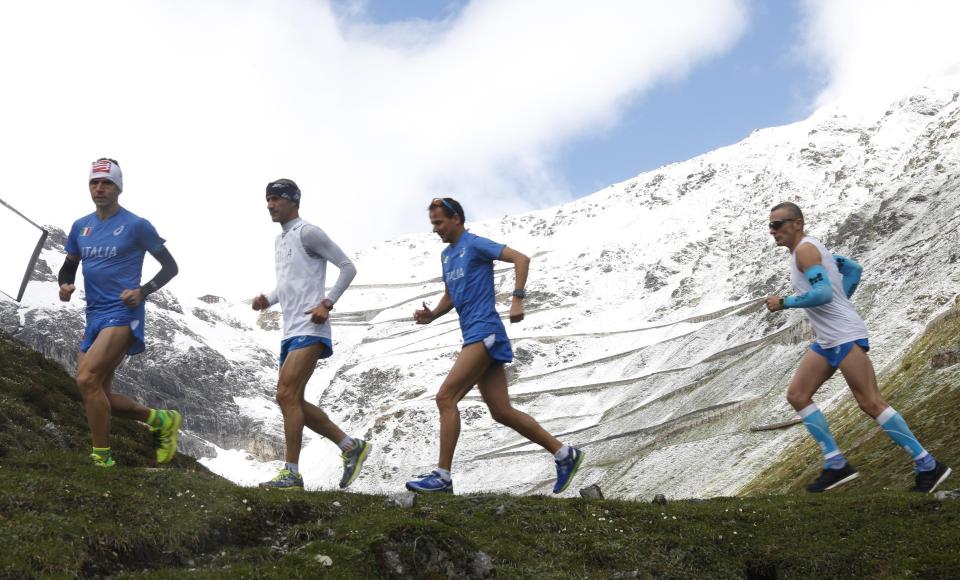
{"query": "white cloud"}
(872, 51)
(203, 103)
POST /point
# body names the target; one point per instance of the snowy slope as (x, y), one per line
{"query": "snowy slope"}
(644, 341)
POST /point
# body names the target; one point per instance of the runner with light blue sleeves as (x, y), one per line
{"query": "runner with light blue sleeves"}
(824, 283)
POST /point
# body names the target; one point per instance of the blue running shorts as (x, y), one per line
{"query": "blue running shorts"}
(836, 354)
(296, 342)
(498, 347)
(133, 319)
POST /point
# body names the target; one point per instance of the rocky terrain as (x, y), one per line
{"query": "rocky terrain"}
(644, 342)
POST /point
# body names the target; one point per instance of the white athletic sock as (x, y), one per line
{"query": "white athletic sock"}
(562, 453)
(294, 467)
(444, 474)
(346, 444)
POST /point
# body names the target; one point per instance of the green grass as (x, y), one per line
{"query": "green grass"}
(62, 517)
(928, 398)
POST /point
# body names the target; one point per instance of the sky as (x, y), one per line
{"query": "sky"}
(376, 106)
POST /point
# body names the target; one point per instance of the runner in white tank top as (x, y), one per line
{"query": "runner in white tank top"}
(302, 253)
(837, 321)
(824, 283)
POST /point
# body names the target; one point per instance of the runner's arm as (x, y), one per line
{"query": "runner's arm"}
(68, 272)
(521, 267)
(272, 298)
(67, 276)
(426, 316)
(850, 271)
(168, 269)
(318, 244)
(808, 260)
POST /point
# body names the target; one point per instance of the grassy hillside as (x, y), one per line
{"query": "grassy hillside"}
(61, 517)
(929, 399)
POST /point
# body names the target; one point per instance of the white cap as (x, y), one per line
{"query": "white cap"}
(107, 169)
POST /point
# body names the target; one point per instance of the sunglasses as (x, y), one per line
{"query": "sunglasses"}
(777, 224)
(439, 201)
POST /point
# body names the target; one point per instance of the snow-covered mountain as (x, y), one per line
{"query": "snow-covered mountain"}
(644, 343)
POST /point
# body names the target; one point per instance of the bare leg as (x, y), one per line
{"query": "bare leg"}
(858, 372)
(319, 422)
(123, 406)
(94, 369)
(493, 388)
(297, 370)
(469, 366)
(814, 370)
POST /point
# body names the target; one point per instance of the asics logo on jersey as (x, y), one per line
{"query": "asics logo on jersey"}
(98, 251)
(463, 252)
(118, 231)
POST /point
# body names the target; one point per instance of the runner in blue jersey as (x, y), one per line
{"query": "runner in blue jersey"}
(824, 283)
(111, 243)
(468, 280)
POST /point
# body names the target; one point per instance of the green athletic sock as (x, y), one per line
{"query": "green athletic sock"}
(157, 418)
(103, 452)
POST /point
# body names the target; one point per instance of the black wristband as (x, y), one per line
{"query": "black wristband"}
(68, 272)
(148, 288)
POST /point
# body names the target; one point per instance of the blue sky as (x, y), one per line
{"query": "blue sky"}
(376, 106)
(761, 82)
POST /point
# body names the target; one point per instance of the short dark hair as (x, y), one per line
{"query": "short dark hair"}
(445, 204)
(791, 207)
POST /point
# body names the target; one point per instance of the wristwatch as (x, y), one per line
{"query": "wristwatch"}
(327, 303)
(519, 293)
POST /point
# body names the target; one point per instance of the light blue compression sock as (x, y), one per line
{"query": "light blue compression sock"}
(816, 424)
(896, 428)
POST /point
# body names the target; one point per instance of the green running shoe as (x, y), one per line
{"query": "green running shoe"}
(285, 480)
(353, 461)
(165, 436)
(105, 460)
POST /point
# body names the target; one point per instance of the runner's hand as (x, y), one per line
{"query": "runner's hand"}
(132, 298)
(423, 315)
(516, 310)
(318, 314)
(261, 303)
(66, 292)
(773, 303)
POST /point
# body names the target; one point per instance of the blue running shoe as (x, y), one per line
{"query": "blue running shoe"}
(567, 468)
(430, 483)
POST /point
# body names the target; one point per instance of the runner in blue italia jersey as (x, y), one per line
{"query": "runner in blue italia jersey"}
(468, 280)
(824, 283)
(111, 243)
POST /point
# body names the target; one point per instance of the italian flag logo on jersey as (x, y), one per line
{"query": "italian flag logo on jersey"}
(86, 231)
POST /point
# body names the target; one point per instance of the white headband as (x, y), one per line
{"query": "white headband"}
(106, 169)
